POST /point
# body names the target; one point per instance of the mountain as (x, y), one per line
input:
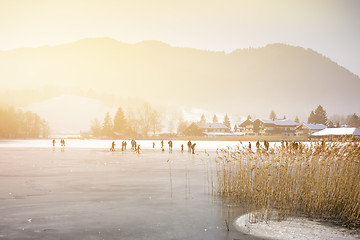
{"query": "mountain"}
(290, 80)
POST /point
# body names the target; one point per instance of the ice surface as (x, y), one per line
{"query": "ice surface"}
(92, 193)
(84, 191)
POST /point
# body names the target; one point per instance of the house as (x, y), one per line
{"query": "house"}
(213, 128)
(284, 127)
(247, 127)
(306, 129)
(238, 128)
(337, 132)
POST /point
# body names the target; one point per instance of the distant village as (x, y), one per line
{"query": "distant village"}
(276, 127)
(317, 126)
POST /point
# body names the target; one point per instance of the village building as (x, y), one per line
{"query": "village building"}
(285, 127)
(247, 127)
(306, 129)
(337, 132)
(238, 128)
(211, 128)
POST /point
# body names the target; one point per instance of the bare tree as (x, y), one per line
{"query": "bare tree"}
(133, 123)
(155, 121)
(95, 128)
(144, 118)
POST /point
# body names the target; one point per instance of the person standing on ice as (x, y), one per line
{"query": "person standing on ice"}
(266, 144)
(112, 146)
(193, 148)
(170, 146)
(138, 149)
(162, 144)
(189, 146)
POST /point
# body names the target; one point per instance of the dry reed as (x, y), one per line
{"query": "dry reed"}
(318, 180)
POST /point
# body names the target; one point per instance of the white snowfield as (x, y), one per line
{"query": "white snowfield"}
(293, 228)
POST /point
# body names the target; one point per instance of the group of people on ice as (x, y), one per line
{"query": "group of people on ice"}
(135, 147)
(62, 142)
(266, 145)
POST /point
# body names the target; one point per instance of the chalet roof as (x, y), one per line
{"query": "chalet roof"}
(223, 134)
(212, 125)
(280, 122)
(246, 122)
(338, 132)
(314, 126)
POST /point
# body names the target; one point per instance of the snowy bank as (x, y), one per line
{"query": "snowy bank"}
(293, 228)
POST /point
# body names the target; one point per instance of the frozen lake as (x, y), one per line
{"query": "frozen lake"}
(84, 191)
(92, 193)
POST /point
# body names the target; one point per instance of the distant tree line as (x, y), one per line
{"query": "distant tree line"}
(146, 121)
(19, 124)
(319, 116)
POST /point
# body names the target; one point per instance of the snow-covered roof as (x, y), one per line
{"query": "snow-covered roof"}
(212, 125)
(266, 120)
(223, 134)
(314, 126)
(338, 132)
(280, 122)
(248, 121)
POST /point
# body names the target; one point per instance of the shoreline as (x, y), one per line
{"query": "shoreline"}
(183, 138)
(296, 228)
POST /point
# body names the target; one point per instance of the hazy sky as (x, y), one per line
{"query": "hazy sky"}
(329, 27)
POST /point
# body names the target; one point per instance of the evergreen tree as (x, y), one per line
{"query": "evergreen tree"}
(320, 116)
(235, 128)
(353, 120)
(226, 121)
(311, 118)
(331, 124)
(297, 119)
(202, 119)
(248, 117)
(120, 123)
(107, 126)
(215, 119)
(272, 115)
